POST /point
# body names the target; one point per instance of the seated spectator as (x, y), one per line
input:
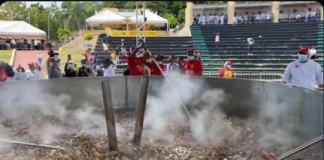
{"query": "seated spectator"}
(69, 70)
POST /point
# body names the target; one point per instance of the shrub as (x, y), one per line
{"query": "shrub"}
(88, 36)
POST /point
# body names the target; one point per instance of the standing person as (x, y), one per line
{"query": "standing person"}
(172, 66)
(109, 69)
(217, 39)
(122, 44)
(221, 19)
(250, 47)
(40, 59)
(124, 56)
(302, 72)
(20, 68)
(312, 53)
(156, 71)
(226, 71)
(180, 63)
(136, 64)
(12, 75)
(53, 69)
(33, 74)
(113, 57)
(192, 66)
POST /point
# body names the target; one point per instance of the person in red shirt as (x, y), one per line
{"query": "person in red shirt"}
(3, 76)
(226, 71)
(156, 71)
(136, 64)
(192, 66)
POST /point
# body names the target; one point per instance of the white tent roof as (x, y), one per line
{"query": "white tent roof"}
(19, 28)
(106, 17)
(151, 18)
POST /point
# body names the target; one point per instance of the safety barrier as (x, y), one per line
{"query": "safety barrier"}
(265, 76)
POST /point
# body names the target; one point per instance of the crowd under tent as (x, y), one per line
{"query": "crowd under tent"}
(19, 29)
(105, 17)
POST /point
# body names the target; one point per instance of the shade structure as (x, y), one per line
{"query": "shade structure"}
(106, 17)
(152, 18)
(19, 28)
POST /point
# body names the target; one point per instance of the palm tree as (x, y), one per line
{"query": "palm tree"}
(63, 33)
(74, 16)
(172, 21)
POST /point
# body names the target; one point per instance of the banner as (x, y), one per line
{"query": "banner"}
(133, 34)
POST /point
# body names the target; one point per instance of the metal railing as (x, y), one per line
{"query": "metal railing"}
(253, 75)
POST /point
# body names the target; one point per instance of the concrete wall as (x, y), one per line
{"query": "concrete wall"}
(244, 97)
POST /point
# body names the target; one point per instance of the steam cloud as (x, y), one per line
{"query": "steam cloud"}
(164, 112)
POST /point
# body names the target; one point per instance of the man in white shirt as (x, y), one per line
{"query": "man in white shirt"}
(33, 74)
(172, 66)
(39, 59)
(109, 70)
(14, 43)
(312, 53)
(14, 76)
(302, 72)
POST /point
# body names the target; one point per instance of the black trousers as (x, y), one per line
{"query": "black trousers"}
(250, 49)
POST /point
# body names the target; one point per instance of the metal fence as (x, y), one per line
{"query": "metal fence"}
(255, 75)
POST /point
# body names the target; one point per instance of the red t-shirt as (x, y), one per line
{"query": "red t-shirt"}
(226, 73)
(155, 71)
(135, 66)
(3, 77)
(87, 56)
(192, 68)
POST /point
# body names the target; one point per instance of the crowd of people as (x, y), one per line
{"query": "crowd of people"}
(24, 44)
(260, 17)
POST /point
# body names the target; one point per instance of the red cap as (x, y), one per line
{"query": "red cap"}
(159, 55)
(190, 51)
(303, 50)
(227, 63)
(31, 64)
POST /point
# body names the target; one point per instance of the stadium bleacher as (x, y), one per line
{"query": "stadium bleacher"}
(166, 45)
(276, 44)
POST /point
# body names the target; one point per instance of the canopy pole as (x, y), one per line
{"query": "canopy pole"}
(140, 22)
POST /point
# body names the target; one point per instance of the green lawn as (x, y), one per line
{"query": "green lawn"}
(76, 57)
(5, 56)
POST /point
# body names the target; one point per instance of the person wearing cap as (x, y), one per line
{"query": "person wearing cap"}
(192, 66)
(33, 73)
(312, 53)
(156, 71)
(109, 70)
(136, 64)
(303, 72)
(172, 66)
(226, 71)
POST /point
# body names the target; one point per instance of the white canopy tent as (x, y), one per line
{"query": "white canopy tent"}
(19, 28)
(106, 17)
(152, 18)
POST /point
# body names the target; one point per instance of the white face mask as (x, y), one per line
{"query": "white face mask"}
(190, 58)
(228, 66)
(159, 62)
(56, 57)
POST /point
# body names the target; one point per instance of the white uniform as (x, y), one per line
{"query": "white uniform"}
(19, 76)
(217, 38)
(312, 52)
(33, 75)
(109, 72)
(303, 74)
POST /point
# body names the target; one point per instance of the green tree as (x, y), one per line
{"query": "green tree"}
(74, 15)
(63, 34)
(172, 20)
(14, 10)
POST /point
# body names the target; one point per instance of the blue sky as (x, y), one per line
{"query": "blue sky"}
(45, 4)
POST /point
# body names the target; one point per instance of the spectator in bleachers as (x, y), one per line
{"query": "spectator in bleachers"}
(203, 19)
(124, 56)
(268, 17)
(192, 66)
(172, 66)
(221, 19)
(235, 20)
(226, 71)
(312, 53)
(216, 19)
(302, 72)
(196, 20)
(250, 46)
(217, 39)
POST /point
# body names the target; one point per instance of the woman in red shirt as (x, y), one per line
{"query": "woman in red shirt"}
(156, 71)
(226, 71)
(136, 64)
